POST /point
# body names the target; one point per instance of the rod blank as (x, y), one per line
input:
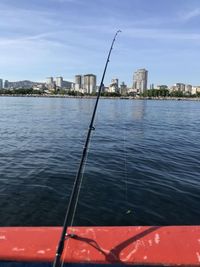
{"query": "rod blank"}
(76, 187)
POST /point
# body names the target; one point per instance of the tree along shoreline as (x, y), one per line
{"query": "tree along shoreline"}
(148, 94)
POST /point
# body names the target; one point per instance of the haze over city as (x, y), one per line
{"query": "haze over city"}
(42, 38)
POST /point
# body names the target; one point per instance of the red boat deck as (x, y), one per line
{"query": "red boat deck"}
(148, 245)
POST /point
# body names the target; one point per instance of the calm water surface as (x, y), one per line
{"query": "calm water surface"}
(143, 166)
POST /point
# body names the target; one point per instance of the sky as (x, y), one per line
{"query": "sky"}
(42, 38)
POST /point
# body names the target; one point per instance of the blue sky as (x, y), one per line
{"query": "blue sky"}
(41, 38)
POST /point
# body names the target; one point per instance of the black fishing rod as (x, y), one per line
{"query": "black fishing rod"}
(76, 187)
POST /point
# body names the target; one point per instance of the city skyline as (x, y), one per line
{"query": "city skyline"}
(87, 84)
(73, 36)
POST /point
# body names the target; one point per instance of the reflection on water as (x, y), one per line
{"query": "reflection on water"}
(139, 110)
(142, 167)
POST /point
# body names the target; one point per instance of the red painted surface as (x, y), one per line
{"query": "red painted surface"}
(172, 245)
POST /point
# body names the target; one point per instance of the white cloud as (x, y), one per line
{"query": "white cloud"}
(190, 14)
(18, 21)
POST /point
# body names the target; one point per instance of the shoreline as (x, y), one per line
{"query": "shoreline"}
(108, 97)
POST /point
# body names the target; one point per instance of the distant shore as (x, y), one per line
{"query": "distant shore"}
(106, 97)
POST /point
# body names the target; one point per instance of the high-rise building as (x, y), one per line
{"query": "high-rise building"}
(89, 83)
(78, 82)
(151, 86)
(6, 84)
(115, 81)
(67, 85)
(50, 84)
(140, 80)
(114, 86)
(59, 82)
(49, 80)
(188, 88)
(1, 83)
(123, 89)
(179, 87)
(195, 89)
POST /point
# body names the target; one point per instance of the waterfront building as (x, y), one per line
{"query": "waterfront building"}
(67, 85)
(105, 89)
(114, 86)
(59, 82)
(78, 82)
(115, 82)
(180, 87)
(188, 88)
(89, 83)
(6, 84)
(132, 91)
(123, 89)
(162, 87)
(140, 80)
(151, 86)
(195, 89)
(49, 80)
(40, 87)
(50, 84)
(1, 84)
(72, 86)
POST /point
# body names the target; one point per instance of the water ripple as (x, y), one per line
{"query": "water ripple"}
(143, 165)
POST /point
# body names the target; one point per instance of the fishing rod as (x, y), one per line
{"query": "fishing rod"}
(76, 187)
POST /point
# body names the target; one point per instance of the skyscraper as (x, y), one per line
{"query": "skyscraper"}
(89, 83)
(78, 82)
(49, 80)
(179, 87)
(140, 80)
(6, 84)
(50, 84)
(59, 82)
(123, 89)
(114, 86)
(1, 83)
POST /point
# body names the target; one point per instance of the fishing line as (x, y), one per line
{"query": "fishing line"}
(125, 161)
(128, 210)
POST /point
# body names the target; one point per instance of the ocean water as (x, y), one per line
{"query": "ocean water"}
(143, 165)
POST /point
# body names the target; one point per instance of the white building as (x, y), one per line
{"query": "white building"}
(195, 89)
(49, 80)
(140, 80)
(59, 82)
(89, 83)
(188, 88)
(114, 86)
(50, 83)
(180, 87)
